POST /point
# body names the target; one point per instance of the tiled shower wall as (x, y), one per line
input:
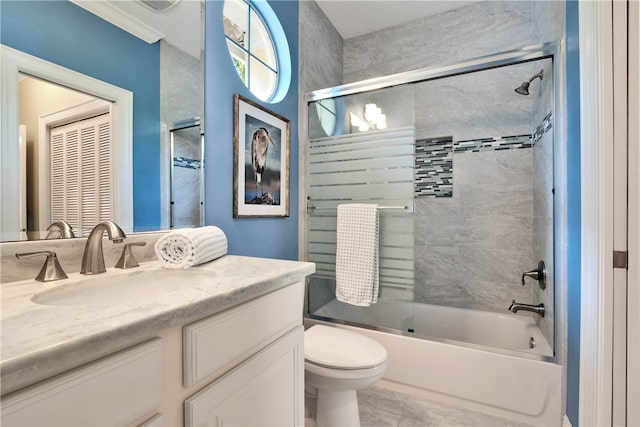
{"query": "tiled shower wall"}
(181, 98)
(474, 245)
(490, 230)
(478, 29)
(320, 50)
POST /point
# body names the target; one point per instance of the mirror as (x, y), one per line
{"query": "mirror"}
(148, 78)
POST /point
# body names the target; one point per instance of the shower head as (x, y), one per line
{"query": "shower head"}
(523, 89)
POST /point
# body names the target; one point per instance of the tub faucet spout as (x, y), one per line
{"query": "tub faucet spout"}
(93, 258)
(515, 307)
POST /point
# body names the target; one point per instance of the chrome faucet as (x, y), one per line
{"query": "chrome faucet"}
(515, 307)
(62, 228)
(93, 257)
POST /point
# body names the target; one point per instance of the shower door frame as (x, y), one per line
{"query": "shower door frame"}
(185, 124)
(548, 50)
(509, 57)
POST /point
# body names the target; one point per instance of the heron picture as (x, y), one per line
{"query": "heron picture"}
(261, 161)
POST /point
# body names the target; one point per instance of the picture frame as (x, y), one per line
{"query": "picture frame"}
(261, 140)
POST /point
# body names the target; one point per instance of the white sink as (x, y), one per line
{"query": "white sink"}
(114, 288)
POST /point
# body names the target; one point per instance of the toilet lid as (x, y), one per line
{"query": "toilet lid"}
(341, 349)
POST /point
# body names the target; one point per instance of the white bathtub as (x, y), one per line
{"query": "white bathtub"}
(503, 331)
(476, 359)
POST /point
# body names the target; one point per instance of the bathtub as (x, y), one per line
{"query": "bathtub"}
(497, 363)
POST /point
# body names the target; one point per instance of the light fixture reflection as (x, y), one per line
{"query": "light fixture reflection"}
(359, 123)
(373, 118)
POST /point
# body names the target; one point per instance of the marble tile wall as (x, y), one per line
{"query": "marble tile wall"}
(69, 253)
(476, 105)
(186, 177)
(320, 50)
(478, 29)
(181, 98)
(181, 94)
(469, 106)
(473, 247)
(320, 66)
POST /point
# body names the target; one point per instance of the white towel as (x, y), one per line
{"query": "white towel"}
(357, 254)
(187, 247)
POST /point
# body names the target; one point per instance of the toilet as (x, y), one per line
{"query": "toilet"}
(338, 362)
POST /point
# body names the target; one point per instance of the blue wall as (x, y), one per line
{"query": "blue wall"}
(264, 237)
(67, 35)
(573, 189)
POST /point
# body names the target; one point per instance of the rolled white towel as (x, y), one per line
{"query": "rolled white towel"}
(187, 247)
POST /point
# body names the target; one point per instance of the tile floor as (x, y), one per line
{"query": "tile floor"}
(382, 405)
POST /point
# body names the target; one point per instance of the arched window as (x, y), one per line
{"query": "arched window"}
(254, 39)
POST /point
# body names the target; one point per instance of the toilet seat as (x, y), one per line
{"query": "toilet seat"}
(336, 348)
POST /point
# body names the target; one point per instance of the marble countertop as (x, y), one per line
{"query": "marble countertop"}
(39, 341)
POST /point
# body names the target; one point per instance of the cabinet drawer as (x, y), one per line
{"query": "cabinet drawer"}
(214, 345)
(112, 391)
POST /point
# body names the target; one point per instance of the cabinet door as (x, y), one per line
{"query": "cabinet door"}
(113, 391)
(266, 390)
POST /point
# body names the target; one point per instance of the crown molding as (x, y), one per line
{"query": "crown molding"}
(117, 17)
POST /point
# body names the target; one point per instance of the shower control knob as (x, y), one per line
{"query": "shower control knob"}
(539, 274)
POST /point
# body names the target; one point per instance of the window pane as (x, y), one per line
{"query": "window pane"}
(261, 45)
(235, 19)
(239, 59)
(262, 80)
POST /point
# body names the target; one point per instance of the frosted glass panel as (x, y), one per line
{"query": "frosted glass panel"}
(373, 167)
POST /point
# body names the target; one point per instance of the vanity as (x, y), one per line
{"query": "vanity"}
(217, 344)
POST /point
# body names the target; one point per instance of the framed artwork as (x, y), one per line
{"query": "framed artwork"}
(260, 161)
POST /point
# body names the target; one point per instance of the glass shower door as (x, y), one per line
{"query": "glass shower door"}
(187, 202)
(357, 156)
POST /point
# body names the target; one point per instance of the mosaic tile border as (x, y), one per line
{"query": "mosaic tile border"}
(493, 144)
(434, 167)
(434, 157)
(542, 128)
(183, 162)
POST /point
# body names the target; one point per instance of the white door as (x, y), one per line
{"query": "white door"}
(610, 157)
(620, 210)
(626, 302)
(633, 294)
(81, 170)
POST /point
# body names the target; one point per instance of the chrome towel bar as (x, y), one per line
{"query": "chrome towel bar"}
(311, 208)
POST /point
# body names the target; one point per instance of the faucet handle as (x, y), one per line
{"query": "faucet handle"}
(51, 270)
(127, 260)
(539, 274)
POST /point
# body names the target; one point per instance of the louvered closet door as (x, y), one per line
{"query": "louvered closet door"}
(82, 173)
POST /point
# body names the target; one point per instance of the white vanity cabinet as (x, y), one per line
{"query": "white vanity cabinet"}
(122, 389)
(255, 353)
(231, 354)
